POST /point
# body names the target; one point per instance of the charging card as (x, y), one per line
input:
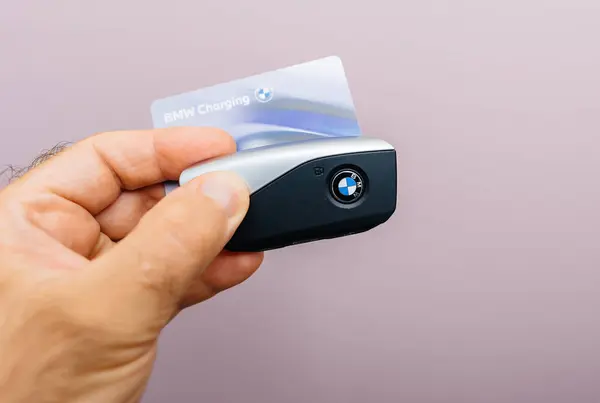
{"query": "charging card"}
(306, 101)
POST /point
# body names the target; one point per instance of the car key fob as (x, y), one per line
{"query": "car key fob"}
(310, 190)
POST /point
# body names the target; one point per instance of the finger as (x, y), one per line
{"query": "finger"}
(93, 172)
(102, 246)
(149, 271)
(226, 271)
(118, 219)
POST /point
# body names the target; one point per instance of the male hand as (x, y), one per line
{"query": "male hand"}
(95, 261)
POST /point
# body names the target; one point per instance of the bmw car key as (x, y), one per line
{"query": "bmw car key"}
(310, 190)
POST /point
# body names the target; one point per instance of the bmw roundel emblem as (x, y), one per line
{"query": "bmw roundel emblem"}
(263, 94)
(347, 186)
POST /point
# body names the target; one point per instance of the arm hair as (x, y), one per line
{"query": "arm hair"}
(15, 172)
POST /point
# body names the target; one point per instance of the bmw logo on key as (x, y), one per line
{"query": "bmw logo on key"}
(347, 186)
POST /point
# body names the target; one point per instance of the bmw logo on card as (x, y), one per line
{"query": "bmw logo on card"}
(263, 94)
(347, 186)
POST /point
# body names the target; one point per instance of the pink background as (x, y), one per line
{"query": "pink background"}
(483, 288)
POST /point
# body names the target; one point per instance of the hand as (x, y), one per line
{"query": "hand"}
(95, 261)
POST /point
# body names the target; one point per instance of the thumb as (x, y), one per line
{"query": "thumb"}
(173, 243)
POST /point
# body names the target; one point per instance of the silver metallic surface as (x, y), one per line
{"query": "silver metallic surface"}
(261, 166)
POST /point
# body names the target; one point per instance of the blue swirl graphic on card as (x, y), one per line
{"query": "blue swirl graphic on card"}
(301, 102)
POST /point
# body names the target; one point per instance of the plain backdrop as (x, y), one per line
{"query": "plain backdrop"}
(485, 285)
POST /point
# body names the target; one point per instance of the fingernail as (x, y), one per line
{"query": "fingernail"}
(226, 189)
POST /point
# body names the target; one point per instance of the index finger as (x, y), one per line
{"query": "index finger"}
(93, 172)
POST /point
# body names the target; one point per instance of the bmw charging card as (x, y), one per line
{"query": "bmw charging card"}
(307, 101)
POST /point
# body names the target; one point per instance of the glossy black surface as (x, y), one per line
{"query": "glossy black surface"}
(299, 207)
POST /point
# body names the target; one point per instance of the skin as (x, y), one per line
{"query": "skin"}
(95, 261)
